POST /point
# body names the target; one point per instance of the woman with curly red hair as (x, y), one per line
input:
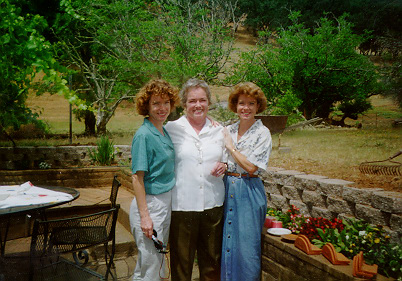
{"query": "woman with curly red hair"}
(153, 177)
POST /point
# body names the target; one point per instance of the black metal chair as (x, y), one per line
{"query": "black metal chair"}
(113, 192)
(81, 257)
(115, 188)
(52, 238)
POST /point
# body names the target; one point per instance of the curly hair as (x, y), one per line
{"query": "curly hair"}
(155, 87)
(250, 89)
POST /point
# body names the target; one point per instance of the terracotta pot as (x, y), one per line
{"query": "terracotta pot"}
(276, 224)
(268, 221)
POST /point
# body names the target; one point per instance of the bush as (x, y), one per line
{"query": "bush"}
(306, 72)
(104, 154)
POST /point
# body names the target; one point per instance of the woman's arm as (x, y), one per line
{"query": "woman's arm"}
(237, 156)
(139, 191)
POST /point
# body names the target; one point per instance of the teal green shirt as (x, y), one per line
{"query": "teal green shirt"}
(153, 153)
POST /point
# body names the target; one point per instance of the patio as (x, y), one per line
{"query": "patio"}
(126, 252)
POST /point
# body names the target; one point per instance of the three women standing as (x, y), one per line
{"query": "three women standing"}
(249, 143)
(153, 177)
(193, 154)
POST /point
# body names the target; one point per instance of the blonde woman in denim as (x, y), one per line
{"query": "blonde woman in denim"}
(249, 143)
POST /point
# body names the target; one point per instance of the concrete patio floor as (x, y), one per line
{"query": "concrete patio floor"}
(126, 254)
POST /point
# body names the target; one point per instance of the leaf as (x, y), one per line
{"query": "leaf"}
(321, 233)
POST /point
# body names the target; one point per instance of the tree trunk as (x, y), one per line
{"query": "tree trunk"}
(101, 129)
(90, 123)
(102, 118)
(7, 135)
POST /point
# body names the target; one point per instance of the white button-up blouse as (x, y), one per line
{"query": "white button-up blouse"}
(196, 155)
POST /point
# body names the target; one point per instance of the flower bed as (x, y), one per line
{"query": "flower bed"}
(349, 237)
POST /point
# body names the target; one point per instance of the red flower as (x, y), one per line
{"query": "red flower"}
(310, 227)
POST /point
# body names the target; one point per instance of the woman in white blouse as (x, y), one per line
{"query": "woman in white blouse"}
(249, 143)
(197, 198)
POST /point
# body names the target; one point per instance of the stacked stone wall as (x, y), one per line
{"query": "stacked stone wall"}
(72, 177)
(29, 157)
(319, 196)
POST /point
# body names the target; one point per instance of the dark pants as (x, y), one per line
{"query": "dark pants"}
(191, 232)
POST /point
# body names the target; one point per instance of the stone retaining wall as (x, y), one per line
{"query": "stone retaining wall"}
(318, 196)
(73, 177)
(29, 157)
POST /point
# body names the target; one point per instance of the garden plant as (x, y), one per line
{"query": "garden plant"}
(349, 237)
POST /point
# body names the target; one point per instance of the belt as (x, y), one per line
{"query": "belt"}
(241, 175)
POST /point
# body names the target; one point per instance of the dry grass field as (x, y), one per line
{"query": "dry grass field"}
(329, 151)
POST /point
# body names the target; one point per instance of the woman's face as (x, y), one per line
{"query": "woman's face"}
(246, 107)
(159, 108)
(197, 104)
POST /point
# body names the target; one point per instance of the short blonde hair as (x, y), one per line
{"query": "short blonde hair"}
(250, 89)
(155, 87)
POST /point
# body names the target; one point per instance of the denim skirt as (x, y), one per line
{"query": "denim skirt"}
(244, 216)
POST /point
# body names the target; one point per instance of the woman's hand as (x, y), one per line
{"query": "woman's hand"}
(219, 169)
(228, 140)
(214, 122)
(147, 226)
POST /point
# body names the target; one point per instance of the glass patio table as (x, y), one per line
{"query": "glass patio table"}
(28, 199)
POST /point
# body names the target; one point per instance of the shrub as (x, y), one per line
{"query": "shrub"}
(104, 154)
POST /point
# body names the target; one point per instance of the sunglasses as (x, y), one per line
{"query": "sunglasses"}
(160, 247)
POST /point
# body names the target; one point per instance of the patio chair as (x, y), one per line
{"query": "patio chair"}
(81, 257)
(113, 193)
(52, 238)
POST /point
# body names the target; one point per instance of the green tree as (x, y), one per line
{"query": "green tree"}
(392, 78)
(117, 46)
(318, 71)
(24, 52)
(382, 17)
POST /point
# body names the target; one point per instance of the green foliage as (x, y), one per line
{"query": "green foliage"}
(221, 113)
(198, 38)
(24, 52)
(375, 244)
(287, 105)
(382, 16)
(332, 236)
(44, 165)
(311, 73)
(117, 46)
(392, 77)
(104, 154)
